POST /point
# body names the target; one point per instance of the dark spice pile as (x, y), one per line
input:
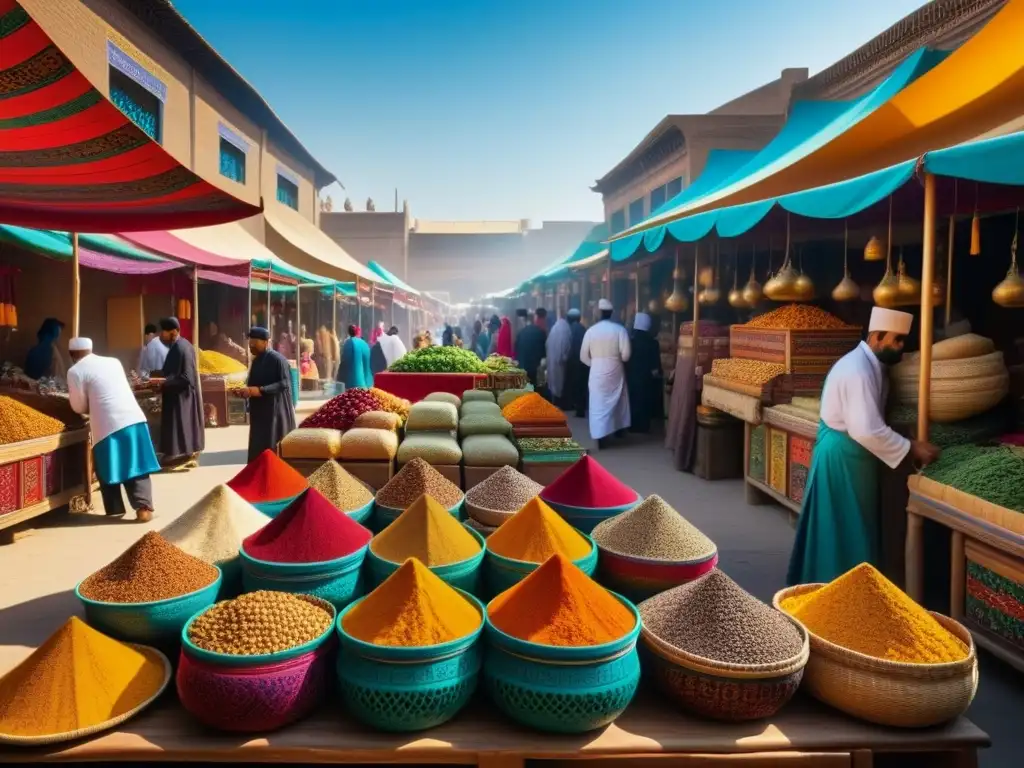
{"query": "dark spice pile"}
(507, 490)
(654, 530)
(415, 479)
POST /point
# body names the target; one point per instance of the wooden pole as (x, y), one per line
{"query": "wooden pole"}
(248, 313)
(195, 306)
(270, 317)
(298, 321)
(696, 304)
(949, 269)
(927, 303)
(76, 287)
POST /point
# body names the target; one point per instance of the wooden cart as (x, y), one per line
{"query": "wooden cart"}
(778, 458)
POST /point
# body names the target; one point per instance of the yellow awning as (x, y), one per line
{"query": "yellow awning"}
(231, 241)
(300, 243)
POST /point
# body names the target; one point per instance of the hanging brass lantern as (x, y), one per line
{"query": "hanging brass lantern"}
(1010, 292)
(736, 299)
(711, 294)
(706, 278)
(803, 287)
(874, 251)
(677, 302)
(887, 292)
(752, 292)
(847, 290)
(782, 286)
(909, 289)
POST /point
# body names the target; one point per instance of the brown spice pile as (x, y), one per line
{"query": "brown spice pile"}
(339, 487)
(415, 479)
(20, 422)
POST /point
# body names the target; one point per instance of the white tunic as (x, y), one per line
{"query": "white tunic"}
(606, 349)
(392, 347)
(153, 356)
(557, 349)
(853, 400)
(97, 386)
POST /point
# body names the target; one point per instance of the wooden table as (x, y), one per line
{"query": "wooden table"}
(805, 734)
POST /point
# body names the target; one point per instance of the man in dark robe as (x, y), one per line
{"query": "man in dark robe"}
(643, 375)
(530, 347)
(577, 372)
(269, 390)
(182, 436)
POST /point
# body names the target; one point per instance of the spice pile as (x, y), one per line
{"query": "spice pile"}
(535, 533)
(267, 478)
(19, 422)
(560, 605)
(994, 473)
(414, 480)
(976, 429)
(438, 360)
(212, 529)
(507, 490)
(339, 487)
(412, 608)
(340, 412)
(587, 484)
(532, 409)
(217, 364)
(652, 529)
(78, 679)
(863, 611)
(549, 449)
(500, 364)
(752, 372)
(392, 404)
(149, 570)
(309, 530)
(798, 317)
(715, 618)
(260, 622)
(428, 532)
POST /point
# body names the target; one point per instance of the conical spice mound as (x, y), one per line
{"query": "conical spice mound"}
(212, 529)
(339, 487)
(587, 484)
(654, 530)
(267, 478)
(428, 532)
(535, 533)
(415, 479)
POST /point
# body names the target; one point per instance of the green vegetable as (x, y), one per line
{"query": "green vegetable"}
(994, 473)
(438, 360)
(500, 364)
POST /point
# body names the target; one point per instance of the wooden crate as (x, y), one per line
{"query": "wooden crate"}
(757, 464)
(994, 594)
(374, 473)
(476, 475)
(735, 399)
(545, 472)
(808, 355)
(778, 466)
(800, 449)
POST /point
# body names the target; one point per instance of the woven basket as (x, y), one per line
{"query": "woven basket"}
(945, 406)
(492, 518)
(889, 692)
(968, 368)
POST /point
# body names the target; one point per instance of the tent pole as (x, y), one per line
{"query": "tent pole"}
(76, 287)
(696, 304)
(949, 269)
(927, 302)
(248, 311)
(195, 305)
(298, 321)
(270, 317)
(373, 308)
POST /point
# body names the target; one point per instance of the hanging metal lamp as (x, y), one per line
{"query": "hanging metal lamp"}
(887, 292)
(677, 301)
(752, 291)
(1010, 291)
(847, 289)
(782, 285)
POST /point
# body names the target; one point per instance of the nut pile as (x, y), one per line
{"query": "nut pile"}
(415, 479)
(798, 317)
(753, 372)
(20, 422)
(260, 622)
(151, 569)
(505, 491)
(339, 487)
(715, 618)
(653, 529)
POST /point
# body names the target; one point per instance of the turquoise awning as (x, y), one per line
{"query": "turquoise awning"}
(999, 160)
(396, 281)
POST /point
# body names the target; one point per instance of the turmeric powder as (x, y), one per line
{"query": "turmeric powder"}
(532, 409)
(535, 533)
(428, 532)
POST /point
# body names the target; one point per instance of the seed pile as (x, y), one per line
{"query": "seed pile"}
(309, 530)
(412, 608)
(587, 484)
(267, 478)
(507, 490)
(391, 403)
(151, 569)
(977, 429)
(532, 409)
(428, 532)
(340, 412)
(339, 487)
(545, 444)
(20, 422)
(752, 372)
(560, 605)
(715, 618)
(77, 679)
(535, 533)
(260, 622)
(212, 529)
(994, 473)
(218, 364)
(798, 317)
(415, 479)
(654, 530)
(865, 612)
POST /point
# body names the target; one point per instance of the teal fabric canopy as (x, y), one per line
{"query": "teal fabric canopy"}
(391, 278)
(994, 161)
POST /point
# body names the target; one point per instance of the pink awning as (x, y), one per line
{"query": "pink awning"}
(167, 244)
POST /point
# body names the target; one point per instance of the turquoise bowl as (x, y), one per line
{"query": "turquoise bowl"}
(466, 575)
(385, 516)
(562, 689)
(274, 508)
(587, 518)
(157, 623)
(339, 582)
(501, 572)
(362, 515)
(402, 689)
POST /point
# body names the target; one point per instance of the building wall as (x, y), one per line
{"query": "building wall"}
(372, 236)
(465, 265)
(770, 99)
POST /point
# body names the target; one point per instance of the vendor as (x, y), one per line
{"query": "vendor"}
(154, 351)
(269, 389)
(45, 359)
(182, 434)
(606, 349)
(839, 524)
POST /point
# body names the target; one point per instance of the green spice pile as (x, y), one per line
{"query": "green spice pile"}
(977, 429)
(415, 479)
(438, 360)
(339, 487)
(715, 618)
(652, 529)
(549, 449)
(505, 491)
(260, 622)
(501, 364)
(994, 473)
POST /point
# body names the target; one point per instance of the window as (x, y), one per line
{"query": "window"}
(141, 106)
(287, 192)
(636, 211)
(232, 161)
(657, 198)
(618, 222)
(674, 187)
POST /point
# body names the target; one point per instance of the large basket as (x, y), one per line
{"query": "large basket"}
(339, 582)
(889, 692)
(964, 368)
(466, 575)
(501, 573)
(641, 577)
(587, 518)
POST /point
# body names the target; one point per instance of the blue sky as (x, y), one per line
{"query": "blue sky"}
(492, 109)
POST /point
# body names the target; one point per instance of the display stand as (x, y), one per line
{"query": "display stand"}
(416, 386)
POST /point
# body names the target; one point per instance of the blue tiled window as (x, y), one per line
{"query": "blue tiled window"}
(618, 221)
(287, 192)
(141, 106)
(232, 161)
(636, 211)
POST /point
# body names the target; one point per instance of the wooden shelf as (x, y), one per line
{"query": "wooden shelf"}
(48, 504)
(767, 490)
(27, 449)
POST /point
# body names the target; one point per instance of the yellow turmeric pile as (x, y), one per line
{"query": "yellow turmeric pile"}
(535, 533)
(218, 364)
(428, 532)
(532, 409)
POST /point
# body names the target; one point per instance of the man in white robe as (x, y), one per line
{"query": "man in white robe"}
(391, 345)
(839, 524)
(606, 349)
(557, 347)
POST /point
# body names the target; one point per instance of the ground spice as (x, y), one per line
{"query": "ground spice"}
(507, 490)
(800, 317)
(218, 364)
(865, 612)
(532, 408)
(752, 372)
(212, 529)
(558, 604)
(587, 484)
(151, 569)
(535, 533)
(994, 473)
(260, 622)
(653, 529)
(20, 422)
(77, 679)
(309, 530)
(267, 478)
(392, 403)
(428, 532)
(415, 479)
(339, 487)
(412, 608)
(715, 618)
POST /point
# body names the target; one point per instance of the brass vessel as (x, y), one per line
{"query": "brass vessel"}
(874, 251)
(1010, 291)
(677, 301)
(909, 289)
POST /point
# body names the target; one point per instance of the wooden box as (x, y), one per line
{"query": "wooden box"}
(735, 399)
(757, 467)
(719, 449)
(374, 473)
(453, 472)
(778, 466)
(799, 465)
(215, 393)
(304, 467)
(237, 414)
(808, 355)
(994, 594)
(476, 475)
(545, 472)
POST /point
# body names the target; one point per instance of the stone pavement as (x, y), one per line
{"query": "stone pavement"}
(38, 573)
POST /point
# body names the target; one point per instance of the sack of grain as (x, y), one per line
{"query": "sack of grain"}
(477, 396)
(311, 443)
(432, 415)
(378, 420)
(433, 449)
(477, 408)
(959, 347)
(509, 395)
(484, 424)
(443, 397)
(489, 451)
(362, 444)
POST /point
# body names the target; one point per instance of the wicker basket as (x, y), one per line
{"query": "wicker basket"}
(889, 692)
(966, 368)
(946, 406)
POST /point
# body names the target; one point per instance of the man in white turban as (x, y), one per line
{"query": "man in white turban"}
(606, 349)
(839, 523)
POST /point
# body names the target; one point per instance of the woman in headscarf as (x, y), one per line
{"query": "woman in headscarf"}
(643, 374)
(493, 325)
(44, 359)
(447, 336)
(505, 338)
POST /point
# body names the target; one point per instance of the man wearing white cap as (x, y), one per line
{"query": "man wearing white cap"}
(606, 349)
(121, 445)
(839, 525)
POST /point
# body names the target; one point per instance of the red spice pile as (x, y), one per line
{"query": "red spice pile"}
(587, 484)
(340, 412)
(309, 530)
(267, 478)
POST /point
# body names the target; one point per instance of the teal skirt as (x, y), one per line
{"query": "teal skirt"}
(125, 455)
